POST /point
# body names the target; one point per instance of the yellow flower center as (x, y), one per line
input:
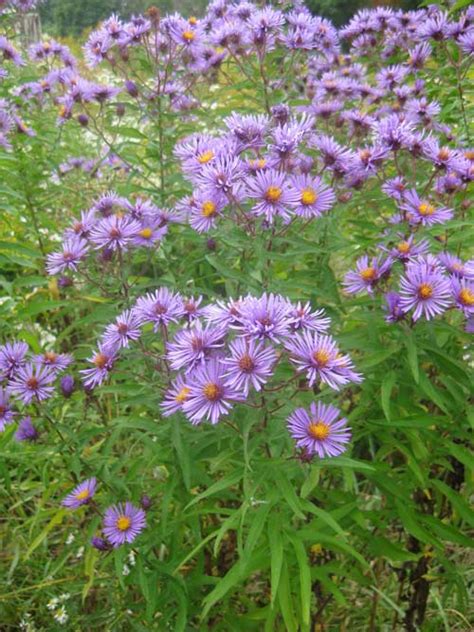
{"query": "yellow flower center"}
(403, 247)
(469, 155)
(206, 156)
(83, 495)
(321, 357)
(443, 153)
(146, 233)
(188, 36)
(123, 523)
(50, 356)
(426, 209)
(319, 430)
(308, 197)
(466, 296)
(193, 20)
(182, 396)
(273, 194)
(425, 291)
(212, 391)
(208, 209)
(368, 274)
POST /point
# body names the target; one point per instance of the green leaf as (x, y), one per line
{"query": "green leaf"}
(275, 541)
(305, 579)
(388, 383)
(226, 482)
(412, 355)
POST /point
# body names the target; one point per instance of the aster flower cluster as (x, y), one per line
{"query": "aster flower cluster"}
(122, 523)
(111, 226)
(428, 285)
(28, 379)
(227, 352)
(256, 171)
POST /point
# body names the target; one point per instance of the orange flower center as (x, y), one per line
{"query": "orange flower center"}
(206, 156)
(192, 20)
(426, 209)
(443, 153)
(32, 383)
(403, 247)
(182, 396)
(469, 155)
(246, 363)
(83, 495)
(212, 391)
(123, 523)
(50, 356)
(425, 291)
(188, 36)
(146, 233)
(273, 194)
(319, 430)
(322, 357)
(368, 274)
(308, 197)
(466, 296)
(100, 360)
(208, 209)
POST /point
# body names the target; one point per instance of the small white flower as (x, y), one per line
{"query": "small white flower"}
(64, 597)
(125, 570)
(132, 558)
(70, 538)
(52, 603)
(80, 552)
(61, 616)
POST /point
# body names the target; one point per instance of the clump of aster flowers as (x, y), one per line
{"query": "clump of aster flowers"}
(228, 353)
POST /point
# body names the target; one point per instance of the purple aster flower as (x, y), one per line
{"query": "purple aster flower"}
(114, 232)
(175, 397)
(320, 357)
(81, 495)
(209, 395)
(334, 156)
(320, 431)
(455, 266)
(110, 202)
(32, 382)
(463, 294)
(72, 253)
(205, 209)
(466, 42)
(434, 27)
(122, 523)
(395, 188)
(301, 317)
(406, 249)
(100, 544)
(55, 361)
(12, 357)
(314, 197)
(192, 346)
(393, 308)
(150, 233)
(160, 308)
(103, 361)
(82, 227)
(67, 386)
(190, 308)
(126, 329)
(26, 431)
(419, 55)
(274, 194)
(394, 133)
(6, 413)
(248, 130)
(424, 289)
(366, 275)
(422, 211)
(267, 317)
(222, 176)
(250, 364)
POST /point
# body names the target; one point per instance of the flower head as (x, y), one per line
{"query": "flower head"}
(26, 431)
(319, 431)
(366, 275)
(319, 356)
(123, 523)
(32, 382)
(424, 289)
(81, 494)
(314, 197)
(6, 413)
(249, 364)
